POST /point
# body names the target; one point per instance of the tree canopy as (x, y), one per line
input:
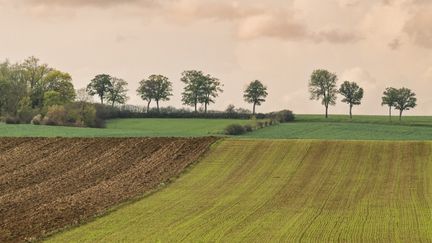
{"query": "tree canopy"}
(322, 86)
(100, 86)
(117, 92)
(389, 98)
(255, 94)
(405, 100)
(352, 93)
(155, 87)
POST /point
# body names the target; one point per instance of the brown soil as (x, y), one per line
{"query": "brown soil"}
(49, 183)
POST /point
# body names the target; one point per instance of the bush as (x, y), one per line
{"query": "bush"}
(37, 120)
(56, 115)
(49, 122)
(282, 116)
(259, 125)
(234, 129)
(12, 120)
(248, 128)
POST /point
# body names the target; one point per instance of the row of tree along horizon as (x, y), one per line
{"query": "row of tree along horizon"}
(32, 85)
(323, 87)
(199, 88)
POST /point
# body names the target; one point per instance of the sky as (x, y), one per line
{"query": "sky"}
(376, 43)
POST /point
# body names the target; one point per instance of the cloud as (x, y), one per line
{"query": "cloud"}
(418, 26)
(92, 3)
(359, 75)
(395, 44)
(337, 36)
(251, 20)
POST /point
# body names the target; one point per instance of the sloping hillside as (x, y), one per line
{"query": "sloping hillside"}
(265, 191)
(50, 183)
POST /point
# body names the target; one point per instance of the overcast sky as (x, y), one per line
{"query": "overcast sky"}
(377, 43)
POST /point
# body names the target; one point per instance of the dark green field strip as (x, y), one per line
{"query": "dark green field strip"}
(342, 131)
(262, 190)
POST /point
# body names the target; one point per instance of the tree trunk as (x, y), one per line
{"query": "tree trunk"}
(390, 114)
(326, 111)
(400, 115)
(148, 106)
(195, 106)
(157, 105)
(101, 98)
(350, 112)
(253, 110)
(205, 107)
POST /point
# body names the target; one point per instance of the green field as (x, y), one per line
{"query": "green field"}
(340, 127)
(343, 131)
(337, 127)
(282, 190)
(127, 128)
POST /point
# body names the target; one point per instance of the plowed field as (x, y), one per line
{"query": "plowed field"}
(284, 191)
(49, 183)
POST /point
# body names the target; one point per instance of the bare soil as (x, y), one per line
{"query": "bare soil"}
(47, 184)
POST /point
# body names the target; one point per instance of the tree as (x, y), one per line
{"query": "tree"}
(100, 85)
(193, 91)
(34, 73)
(210, 88)
(83, 96)
(389, 99)
(230, 109)
(13, 87)
(353, 94)
(405, 100)
(117, 93)
(322, 85)
(155, 87)
(60, 83)
(145, 91)
(255, 94)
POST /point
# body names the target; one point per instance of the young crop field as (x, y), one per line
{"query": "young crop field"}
(281, 190)
(127, 128)
(50, 183)
(343, 131)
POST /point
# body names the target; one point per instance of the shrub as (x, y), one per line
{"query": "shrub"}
(37, 120)
(234, 129)
(56, 114)
(49, 122)
(248, 128)
(282, 116)
(12, 120)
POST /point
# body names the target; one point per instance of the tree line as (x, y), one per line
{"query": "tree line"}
(199, 89)
(323, 87)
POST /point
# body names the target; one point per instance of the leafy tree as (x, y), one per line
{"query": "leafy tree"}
(100, 85)
(117, 93)
(389, 98)
(255, 94)
(156, 87)
(193, 91)
(52, 98)
(13, 88)
(145, 91)
(210, 88)
(405, 100)
(34, 73)
(322, 85)
(61, 84)
(352, 93)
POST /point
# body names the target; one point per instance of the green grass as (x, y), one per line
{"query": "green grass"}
(336, 127)
(341, 127)
(384, 120)
(288, 191)
(127, 128)
(342, 131)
